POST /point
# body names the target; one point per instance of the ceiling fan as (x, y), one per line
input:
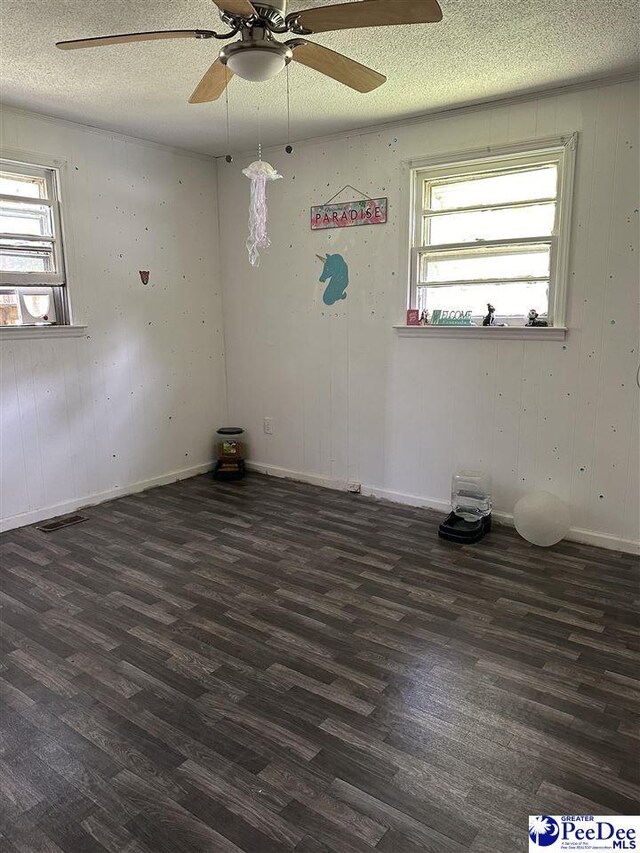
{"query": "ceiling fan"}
(258, 56)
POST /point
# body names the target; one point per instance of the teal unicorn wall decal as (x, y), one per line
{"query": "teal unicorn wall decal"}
(336, 270)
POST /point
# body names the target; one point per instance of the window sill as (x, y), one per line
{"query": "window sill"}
(510, 333)
(21, 333)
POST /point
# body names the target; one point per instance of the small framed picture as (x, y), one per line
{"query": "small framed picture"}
(413, 317)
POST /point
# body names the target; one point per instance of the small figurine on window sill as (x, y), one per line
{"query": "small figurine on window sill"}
(489, 320)
(532, 319)
(424, 317)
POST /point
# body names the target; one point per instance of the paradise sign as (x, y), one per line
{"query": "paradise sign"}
(369, 211)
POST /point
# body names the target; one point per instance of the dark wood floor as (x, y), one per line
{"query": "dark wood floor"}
(268, 666)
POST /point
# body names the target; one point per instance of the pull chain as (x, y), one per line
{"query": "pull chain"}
(259, 136)
(288, 147)
(229, 157)
(288, 108)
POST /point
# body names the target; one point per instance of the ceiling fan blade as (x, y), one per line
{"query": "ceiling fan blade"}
(373, 13)
(335, 65)
(131, 37)
(212, 84)
(241, 8)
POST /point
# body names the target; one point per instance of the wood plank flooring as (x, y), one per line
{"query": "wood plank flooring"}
(268, 666)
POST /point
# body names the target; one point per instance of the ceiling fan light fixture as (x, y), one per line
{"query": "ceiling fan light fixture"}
(256, 65)
(256, 61)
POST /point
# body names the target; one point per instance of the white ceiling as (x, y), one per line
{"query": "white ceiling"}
(482, 49)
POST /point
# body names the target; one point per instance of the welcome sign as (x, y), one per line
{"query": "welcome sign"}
(369, 211)
(451, 318)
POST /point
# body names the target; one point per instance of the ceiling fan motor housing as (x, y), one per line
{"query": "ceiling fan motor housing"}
(272, 11)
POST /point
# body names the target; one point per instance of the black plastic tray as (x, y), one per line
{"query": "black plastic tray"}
(456, 529)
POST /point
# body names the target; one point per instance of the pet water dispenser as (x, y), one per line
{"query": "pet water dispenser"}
(470, 518)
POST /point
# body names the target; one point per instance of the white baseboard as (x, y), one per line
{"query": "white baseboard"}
(298, 476)
(405, 498)
(603, 540)
(47, 512)
(576, 534)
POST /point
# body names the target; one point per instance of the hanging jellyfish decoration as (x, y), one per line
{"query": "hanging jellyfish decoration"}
(259, 172)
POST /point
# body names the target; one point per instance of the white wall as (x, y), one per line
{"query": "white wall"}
(137, 398)
(351, 401)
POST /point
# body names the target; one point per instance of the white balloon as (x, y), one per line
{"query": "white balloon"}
(542, 518)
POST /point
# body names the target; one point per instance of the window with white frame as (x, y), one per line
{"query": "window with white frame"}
(32, 269)
(492, 230)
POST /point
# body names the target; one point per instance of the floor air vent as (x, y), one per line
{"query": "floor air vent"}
(52, 526)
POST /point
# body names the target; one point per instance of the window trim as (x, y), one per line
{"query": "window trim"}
(562, 149)
(21, 333)
(60, 281)
(51, 178)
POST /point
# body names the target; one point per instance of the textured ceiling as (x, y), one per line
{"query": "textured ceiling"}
(482, 49)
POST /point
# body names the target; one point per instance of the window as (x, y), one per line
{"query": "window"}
(493, 230)
(32, 270)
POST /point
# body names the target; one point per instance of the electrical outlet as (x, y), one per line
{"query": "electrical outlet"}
(267, 426)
